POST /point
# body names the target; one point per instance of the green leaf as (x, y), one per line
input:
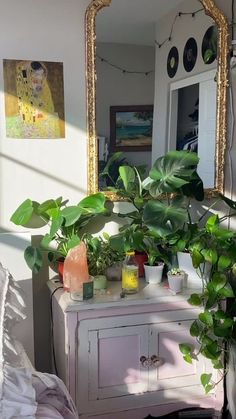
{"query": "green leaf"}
(206, 318)
(212, 351)
(208, 388)
(93, 204)
(56, 224)
(211, 300)
(45, 242)
(127, 175)
(163, 219)
(47, 205)
(195, 300)
(33, 258)
(224, 262)
(220, 315)
(195, 329)
(205, 379)
(212, 221)
(139, 202)
(181, 245)
(23, 213)
(217, 364)
(224, 329)
(226, 292)
(188, 358)
(197, 258)
(71, 215)
(172, 171)
(218, 281)
(106, 236)
(185, 348)
(210, 255)
(73, 242)
(206, 340)
(194, 188)
(113, 159)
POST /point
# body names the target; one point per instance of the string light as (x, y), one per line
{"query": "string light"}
(177, 16)
(124, 70)
(169, 39)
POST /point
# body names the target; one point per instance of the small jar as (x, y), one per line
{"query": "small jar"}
(130, 277)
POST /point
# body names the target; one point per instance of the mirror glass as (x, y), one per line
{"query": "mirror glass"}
(156, 87)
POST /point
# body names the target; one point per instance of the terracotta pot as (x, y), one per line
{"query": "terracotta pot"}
(141, 258)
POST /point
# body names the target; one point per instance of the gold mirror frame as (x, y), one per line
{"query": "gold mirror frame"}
(222, 83)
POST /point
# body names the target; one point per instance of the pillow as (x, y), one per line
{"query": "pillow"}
(17, 395)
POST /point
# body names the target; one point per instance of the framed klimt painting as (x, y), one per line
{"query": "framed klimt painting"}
(34, 99)
(131, 128)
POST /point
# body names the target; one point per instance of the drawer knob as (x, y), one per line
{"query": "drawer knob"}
(156, 361)
(145, 361)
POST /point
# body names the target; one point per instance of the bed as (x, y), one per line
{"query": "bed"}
(24, 392)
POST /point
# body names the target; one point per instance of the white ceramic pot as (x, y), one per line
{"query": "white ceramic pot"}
(153, 274)
(176, 282)
(193, 275)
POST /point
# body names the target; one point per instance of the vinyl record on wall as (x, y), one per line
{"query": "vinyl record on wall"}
(190, 54)
(209, 45)
(172, 62)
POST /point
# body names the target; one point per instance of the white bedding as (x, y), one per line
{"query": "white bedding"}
(24, 392)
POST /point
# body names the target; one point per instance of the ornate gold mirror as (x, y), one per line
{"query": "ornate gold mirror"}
(181, 74)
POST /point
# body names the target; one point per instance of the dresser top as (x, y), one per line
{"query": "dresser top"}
(110, 298)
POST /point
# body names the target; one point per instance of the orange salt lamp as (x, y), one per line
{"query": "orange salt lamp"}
(75, 272)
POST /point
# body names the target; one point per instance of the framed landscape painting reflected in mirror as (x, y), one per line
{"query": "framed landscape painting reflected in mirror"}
(131, 128)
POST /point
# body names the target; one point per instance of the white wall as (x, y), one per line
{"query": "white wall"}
(48, 31)
(41, 169)
(116, 89)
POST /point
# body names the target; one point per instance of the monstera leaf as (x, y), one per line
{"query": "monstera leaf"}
(162, 218)
(195, 188)
(171, 172)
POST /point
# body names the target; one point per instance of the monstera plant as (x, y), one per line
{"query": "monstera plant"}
(173, 181)
(65, 225)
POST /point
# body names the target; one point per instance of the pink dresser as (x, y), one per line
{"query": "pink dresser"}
(119, 357)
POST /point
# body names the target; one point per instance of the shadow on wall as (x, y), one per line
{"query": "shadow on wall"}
(42, 173)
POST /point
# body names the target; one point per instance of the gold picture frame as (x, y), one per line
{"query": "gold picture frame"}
(222, 84)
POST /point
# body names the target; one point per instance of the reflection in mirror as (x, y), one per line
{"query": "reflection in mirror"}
(154, 54)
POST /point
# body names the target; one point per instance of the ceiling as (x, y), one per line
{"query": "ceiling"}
(132, 21)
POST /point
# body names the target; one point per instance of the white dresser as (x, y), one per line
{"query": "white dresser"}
(120, 358)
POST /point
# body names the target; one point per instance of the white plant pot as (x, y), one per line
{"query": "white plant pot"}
(176, 282)
(153, 274)
(193, 275)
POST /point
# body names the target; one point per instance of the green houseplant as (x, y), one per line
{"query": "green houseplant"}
(156, 212)
(215, 327)
(101, 256)
(65, 225)
(176, 279)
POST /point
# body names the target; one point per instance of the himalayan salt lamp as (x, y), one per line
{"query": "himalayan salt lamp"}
(75, 272)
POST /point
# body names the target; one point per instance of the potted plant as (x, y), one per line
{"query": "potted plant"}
(173, 184)
(129, 185)
(215, 327)
(156, 260)
(65, 224)
(176, 279)
(101, 258)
